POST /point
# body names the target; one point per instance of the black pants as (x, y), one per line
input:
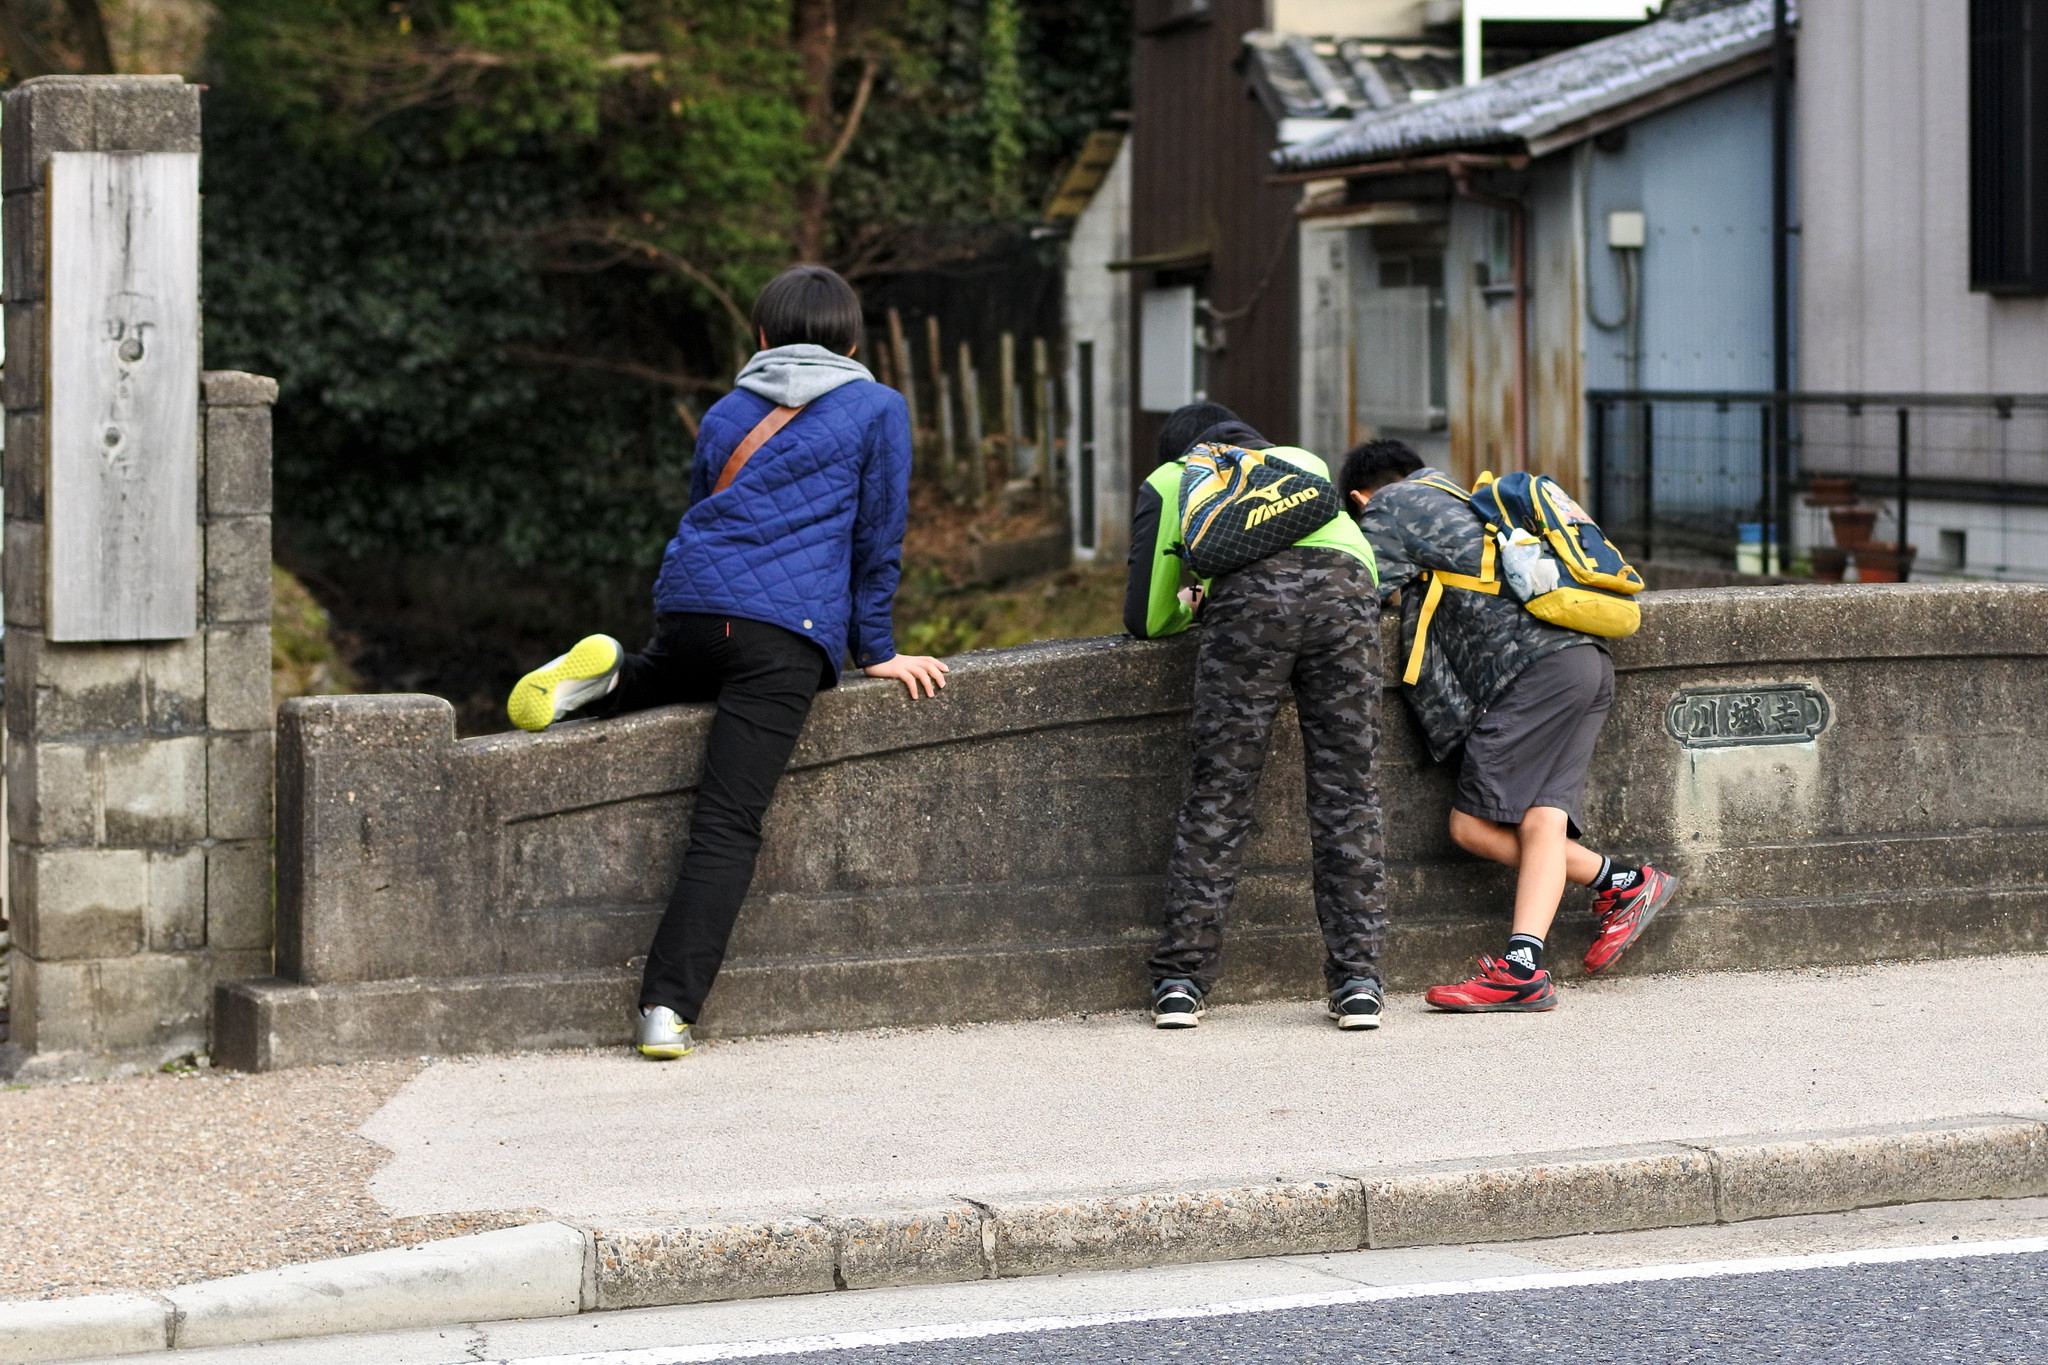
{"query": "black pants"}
(763, 678)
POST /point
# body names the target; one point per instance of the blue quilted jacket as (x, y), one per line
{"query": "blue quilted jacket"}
(809, 536)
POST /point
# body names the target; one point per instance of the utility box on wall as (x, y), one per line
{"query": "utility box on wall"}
(123, 407)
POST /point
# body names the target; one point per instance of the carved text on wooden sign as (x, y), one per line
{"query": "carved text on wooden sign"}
(1770, 713)
(123, 395)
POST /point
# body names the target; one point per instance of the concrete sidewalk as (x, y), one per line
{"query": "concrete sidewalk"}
(803, 1125)
(815, 1164)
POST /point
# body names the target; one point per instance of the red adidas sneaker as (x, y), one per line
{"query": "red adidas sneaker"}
(1623, 915)
(1495, 989)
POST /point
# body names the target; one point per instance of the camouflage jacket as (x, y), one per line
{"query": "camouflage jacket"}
(1477, 643)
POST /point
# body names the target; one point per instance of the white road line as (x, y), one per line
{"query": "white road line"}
(1505, 1284)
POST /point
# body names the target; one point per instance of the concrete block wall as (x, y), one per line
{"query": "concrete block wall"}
(139, 775)
(139, 788)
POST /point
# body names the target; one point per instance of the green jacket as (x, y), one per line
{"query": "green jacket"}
(1152, 605)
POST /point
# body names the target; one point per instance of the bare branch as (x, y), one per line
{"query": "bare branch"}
(853, 113)
(618, 61)
(661, 255)
(630, 368)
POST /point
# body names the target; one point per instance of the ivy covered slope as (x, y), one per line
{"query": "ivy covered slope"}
(498, 254)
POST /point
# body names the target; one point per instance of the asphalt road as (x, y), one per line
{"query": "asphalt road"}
(1979, 1309)
(1960, 1281)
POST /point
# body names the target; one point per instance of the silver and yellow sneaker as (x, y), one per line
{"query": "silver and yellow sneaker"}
(663, 1034)
(560, 686)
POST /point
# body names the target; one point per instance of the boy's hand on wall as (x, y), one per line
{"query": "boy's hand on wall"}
(910, 670)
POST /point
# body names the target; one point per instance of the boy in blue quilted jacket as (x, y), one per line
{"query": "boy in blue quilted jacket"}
(786, 561)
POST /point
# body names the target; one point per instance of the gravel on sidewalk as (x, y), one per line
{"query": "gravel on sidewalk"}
(152, 1181)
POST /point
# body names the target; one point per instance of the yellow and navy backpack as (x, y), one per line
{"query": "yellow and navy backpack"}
(1596, 586)
(1237, 507)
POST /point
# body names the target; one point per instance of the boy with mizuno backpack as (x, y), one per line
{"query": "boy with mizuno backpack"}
(1285, 594)
(1493, 664)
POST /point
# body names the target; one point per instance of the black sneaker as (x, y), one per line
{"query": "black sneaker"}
(1176, 1004)
(1356, 1004)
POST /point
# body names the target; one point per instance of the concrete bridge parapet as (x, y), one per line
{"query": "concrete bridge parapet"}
(1841, 775)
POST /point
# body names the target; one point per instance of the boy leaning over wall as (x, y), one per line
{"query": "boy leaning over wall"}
(1526, 700)
(787, 559)
(1307, 618)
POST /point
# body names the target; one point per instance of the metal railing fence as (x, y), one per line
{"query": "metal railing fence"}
(1679, 473)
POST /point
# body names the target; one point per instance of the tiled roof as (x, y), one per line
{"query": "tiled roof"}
(1320, 78)
(1091, 167)
(1521, 105)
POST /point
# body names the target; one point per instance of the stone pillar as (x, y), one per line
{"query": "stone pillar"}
(139, 773)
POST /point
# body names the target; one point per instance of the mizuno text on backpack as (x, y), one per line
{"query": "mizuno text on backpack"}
(1237, 507)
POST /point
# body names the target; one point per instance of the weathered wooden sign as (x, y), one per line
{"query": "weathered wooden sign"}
(123, 401)
(1772, 713)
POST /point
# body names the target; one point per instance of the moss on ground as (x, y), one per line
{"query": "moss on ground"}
(932, 618)
(940, 609)
(307, 658)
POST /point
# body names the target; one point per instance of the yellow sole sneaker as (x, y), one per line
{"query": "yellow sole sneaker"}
(664, 1036)
(561, 685)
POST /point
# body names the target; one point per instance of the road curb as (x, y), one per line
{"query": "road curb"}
(553, 1269)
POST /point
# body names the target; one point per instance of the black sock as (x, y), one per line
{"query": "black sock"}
(1524, 957)
(1615, 876)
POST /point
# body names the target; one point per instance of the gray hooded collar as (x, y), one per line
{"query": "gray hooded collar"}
(792, 376)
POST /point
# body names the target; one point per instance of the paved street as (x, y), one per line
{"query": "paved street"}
(1982, 1308)
(1978, 1309)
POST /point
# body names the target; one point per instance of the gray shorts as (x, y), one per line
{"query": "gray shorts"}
(1533, 745)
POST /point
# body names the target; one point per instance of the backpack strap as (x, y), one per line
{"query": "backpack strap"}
(1438, 580)
(1443, 484)
(776, 420)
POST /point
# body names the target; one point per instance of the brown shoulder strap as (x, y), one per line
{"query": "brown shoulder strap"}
(776, 420)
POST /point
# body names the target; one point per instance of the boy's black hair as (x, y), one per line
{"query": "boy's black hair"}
(1374, 465)
(1185, 425)
(809, 303)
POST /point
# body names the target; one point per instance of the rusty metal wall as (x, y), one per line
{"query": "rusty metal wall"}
(1482, 406)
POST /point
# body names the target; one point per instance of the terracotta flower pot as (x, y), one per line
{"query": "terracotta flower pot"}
(1830, 492)
(1853, 525)
(1830, 562)
(1882, 561)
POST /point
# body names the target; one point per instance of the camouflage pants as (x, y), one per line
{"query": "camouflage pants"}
(1309, 619)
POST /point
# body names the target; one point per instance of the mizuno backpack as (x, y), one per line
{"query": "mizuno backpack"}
(1237, 507)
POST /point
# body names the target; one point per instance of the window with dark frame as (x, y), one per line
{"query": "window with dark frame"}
(2009, 146)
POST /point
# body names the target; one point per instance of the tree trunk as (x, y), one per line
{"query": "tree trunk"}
(814, 29)
(90, 26)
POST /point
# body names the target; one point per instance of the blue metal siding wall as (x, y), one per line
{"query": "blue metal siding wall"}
(1702, 174)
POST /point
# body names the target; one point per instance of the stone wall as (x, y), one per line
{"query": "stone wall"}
(998, 852)
(139, 774)
(139, 781)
